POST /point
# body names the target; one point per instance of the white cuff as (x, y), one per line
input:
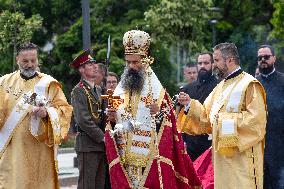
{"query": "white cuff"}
(186, 108)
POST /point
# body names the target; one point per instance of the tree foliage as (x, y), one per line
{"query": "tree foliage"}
(16, 29)
(277, 33)
(245, 23)
(112, 18)
(183, 21)
(187, 22)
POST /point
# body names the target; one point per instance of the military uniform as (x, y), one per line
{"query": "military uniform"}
(89, 146)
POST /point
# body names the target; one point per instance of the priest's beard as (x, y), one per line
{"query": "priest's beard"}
(220, 74)
(204, 74)
(28, 72)
(265, 70)
(133, 80)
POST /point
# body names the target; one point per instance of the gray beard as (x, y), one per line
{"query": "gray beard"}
(133, 80)
(28, 72)
(218, 73)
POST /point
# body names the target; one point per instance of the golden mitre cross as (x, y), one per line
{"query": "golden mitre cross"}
(113, 101)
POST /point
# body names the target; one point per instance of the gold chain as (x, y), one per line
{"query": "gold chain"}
(132, 101)
(91, 102)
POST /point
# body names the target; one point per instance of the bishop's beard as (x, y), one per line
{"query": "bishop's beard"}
(133, 80)
(265, 70)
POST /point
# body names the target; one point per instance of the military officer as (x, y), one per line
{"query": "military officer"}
(90, 147)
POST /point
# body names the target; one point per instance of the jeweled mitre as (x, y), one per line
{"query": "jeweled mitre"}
(136, 42)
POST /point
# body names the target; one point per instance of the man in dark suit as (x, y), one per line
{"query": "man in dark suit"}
(273, 83)
(199, 90)
(89, 145)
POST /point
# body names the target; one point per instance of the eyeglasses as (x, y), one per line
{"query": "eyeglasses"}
(265, 57)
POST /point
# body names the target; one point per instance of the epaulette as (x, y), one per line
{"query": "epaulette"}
(81, 84)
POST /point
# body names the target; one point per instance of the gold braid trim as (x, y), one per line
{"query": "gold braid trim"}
(253, 167)
(91, 101)
(176, 138)
(228, 141)
(161, 97)
(140, 144)
(132, 102)
(56, 165)
(227, 146)
(113, 162)
(142, 132)
(256, 160)
(170, 163)
(197, 187)
(138, 160)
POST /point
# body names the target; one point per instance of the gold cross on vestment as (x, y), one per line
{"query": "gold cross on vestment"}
(148, 100)
(56, 126)
(55, 123)
(113, 101)
(19, 108)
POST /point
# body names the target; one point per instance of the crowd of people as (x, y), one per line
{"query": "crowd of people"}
(129, 134)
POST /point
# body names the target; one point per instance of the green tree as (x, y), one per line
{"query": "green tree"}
(183, 21)
(16, 29)
(57, 15)
(245, 23)
(184, 26)
(186, 22)
(277, 33)
(277, 21)
(112, 18)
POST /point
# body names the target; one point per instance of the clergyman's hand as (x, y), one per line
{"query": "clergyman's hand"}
(111, 115)
(154, 108)
(39, 111)
(183, 98)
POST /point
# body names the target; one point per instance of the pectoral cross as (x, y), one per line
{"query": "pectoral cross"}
(113, 101)
(148, 100)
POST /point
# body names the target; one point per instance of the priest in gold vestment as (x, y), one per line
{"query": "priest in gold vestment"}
(235, 113)
(34, 117)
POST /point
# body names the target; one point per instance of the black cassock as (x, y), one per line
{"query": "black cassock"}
(274, 140)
